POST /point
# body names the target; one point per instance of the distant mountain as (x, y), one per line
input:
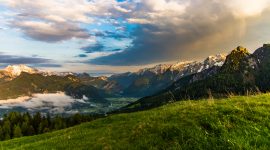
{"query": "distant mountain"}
(13, 71)
(137, 84)
(21, 80)
(151, 80)
(102, 82)
(16, 70)
(242, 73)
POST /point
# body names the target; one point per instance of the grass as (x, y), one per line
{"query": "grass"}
(235, 123)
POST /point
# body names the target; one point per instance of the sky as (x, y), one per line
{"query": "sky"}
(113, 36)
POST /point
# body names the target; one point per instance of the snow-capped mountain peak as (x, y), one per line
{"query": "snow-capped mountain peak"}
(186, 67)
(16, 70)
(215, 60)
(158, 69)
(180, 65)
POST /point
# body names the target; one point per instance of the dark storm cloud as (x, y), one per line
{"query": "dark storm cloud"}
(165, 30)
(199, 33)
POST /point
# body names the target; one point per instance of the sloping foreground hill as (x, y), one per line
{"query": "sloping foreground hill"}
(235, 123)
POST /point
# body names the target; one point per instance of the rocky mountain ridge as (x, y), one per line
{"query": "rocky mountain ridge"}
(142, 83)
(242, 73)
(150, 80)
(13, 71)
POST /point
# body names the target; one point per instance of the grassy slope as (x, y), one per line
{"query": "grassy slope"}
(236, 123)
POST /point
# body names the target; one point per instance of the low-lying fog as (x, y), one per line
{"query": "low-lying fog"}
(58, 103)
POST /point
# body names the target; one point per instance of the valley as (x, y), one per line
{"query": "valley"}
(80, 93)
(61, 104)
(208, 87)
(216, 76)
(134, 75)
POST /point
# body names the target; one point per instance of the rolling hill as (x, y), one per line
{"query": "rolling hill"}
(234, 123)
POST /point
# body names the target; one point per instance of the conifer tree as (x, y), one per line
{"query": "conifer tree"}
(17, 131)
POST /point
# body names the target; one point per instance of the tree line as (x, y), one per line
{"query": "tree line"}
(15, 124)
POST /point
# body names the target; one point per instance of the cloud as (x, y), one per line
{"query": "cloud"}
(109, 34)
(34, 61)
(183, 30)
(52, 65)
(56, 20)
(50, 21)
(13, 59)
(98, 50)
(51, 32)
(165, 30)
(247, 8)
(82, 55)
(98, 47)
(51, 103)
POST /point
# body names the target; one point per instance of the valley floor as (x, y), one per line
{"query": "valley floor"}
(235, 123)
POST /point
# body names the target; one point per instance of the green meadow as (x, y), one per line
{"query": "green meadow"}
(239, 122)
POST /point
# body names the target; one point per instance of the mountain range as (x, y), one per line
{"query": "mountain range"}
(148, 81)
(238, 73)
(21, 80)
(142, 83)
(242, 73)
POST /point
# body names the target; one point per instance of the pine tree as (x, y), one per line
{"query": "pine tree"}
(31, 130)
(17, 131)
(7, 129)
(44, 124)
(14, 118)
(27, 117)
(36, 121)
(25, 128)
(1, 134)
(58, 123)
(48, 117)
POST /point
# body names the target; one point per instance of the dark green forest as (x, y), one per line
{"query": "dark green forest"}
(15, 124)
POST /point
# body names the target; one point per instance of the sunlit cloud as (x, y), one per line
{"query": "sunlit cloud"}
(247, 8)
(183, 30)
(140, 32)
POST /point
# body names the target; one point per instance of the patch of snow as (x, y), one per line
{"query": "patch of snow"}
(219, 64)
(200, 70)
(158, 69)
